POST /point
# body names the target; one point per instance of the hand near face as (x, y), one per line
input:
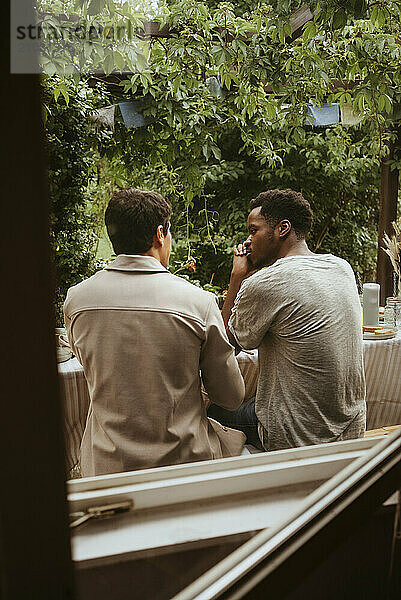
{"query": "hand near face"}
(242, 267)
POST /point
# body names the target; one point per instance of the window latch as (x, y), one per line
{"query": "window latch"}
(99, 512)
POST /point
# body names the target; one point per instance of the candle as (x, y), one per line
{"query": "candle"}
(370, 302)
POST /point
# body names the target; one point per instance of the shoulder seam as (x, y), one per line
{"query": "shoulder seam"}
(137, 309)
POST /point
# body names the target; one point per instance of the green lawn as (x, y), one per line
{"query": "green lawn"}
(104, 249)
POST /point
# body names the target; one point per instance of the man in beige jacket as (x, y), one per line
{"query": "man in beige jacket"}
(145, 338)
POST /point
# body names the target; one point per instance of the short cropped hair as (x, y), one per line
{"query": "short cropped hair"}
(132, 218)
(276, 205)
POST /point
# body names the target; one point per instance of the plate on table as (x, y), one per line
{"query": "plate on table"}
(381, 332)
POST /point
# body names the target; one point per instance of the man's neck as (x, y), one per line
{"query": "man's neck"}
(295, 248)
(153, 253)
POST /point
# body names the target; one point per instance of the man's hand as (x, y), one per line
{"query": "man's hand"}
(242, 266)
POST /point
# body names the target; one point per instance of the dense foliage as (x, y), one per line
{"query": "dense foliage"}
(226, 97)
(72, 168)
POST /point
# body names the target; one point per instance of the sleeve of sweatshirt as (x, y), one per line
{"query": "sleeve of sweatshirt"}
(220, 371)
(255, 308)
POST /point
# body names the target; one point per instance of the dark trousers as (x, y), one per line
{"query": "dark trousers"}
(244, 419)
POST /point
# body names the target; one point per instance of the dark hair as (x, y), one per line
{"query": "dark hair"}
(132, 218)
(277, 205)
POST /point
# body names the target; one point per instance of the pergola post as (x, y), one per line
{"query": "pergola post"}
(387, 214)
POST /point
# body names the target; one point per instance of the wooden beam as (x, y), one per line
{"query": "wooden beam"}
(152, 30)
(298, 19)
(387, 214)
(34, 541)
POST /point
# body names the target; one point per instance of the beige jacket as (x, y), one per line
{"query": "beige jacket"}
(143, 336)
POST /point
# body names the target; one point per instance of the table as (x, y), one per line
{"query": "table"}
(382, 360)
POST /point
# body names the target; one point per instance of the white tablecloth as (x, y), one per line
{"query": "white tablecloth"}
(383, 390)
(383, 382)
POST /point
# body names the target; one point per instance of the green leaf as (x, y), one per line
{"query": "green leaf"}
(99, 51)
(88, 49)
(96, 6)
(287, 29)
(219, 57)
(388, 106)
(359, 8)
(216, 152)
(339, 19)
(206, 151)
(119, 60)
(310, 31)
(243, 47)
(381, 17)
(144, 81)
(108, 63)
(65, 96)
(325, 77)
(50, 69)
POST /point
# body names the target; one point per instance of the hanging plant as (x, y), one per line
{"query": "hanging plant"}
(153, 29)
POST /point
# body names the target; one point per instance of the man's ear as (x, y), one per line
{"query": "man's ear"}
(159, 235)
(284, 228)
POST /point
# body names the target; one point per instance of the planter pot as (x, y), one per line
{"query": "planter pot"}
(152, 29)
(131, 113)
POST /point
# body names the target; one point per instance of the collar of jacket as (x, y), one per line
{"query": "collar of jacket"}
(145, 264)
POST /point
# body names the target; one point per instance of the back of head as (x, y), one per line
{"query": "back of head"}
(132, 218)
(277, 205)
